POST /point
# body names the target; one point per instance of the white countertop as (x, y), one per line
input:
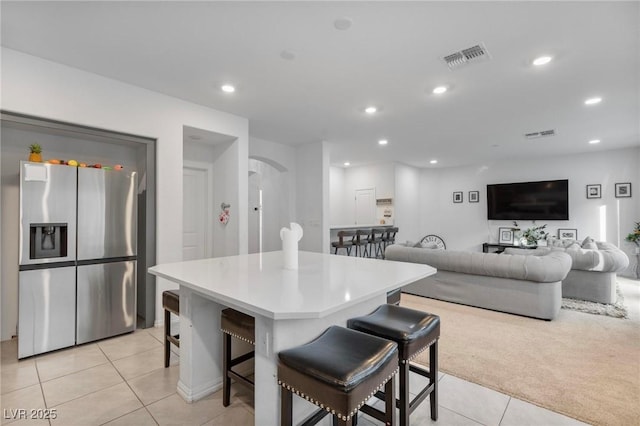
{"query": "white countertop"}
(323, 284)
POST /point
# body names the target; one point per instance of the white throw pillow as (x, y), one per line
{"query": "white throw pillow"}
(589, 244)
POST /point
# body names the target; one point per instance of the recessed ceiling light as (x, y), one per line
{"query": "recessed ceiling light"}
(593, 101)
(370, 110)
(383, 142)
(594, 141)
(228, 88)
(433, 161)
(346, 163)
(542, 60)
(440, 90)
(343, 23)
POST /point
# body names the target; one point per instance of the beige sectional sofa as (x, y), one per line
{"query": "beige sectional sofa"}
(513, 283)
(594, 265)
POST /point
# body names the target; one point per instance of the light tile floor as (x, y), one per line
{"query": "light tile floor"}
(121, 381)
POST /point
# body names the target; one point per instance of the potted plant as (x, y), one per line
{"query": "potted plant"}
(531, 235)
(634, 236)
(35, 153)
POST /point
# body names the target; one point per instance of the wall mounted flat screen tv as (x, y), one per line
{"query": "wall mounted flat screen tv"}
(545, 200)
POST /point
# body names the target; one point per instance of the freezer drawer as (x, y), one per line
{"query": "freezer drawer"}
(46, 315)
(106, 300)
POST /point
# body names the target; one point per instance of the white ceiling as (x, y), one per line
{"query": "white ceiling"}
(390, 57)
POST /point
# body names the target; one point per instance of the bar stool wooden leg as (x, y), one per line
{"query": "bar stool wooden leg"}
(433, 378)
(405, 399)
(226, 361)
(286, 407)
(167, 333)
(389, 406)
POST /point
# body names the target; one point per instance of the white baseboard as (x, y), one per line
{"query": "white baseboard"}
(192, 395)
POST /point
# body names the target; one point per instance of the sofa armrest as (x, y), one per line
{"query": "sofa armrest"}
(607, 258)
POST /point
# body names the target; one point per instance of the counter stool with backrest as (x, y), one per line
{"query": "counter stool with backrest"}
(171, 304)
(345, 241)
(414, 331)
(361, 241)
(376, 241)
(243, 327)
(390, 236)
(339, 371)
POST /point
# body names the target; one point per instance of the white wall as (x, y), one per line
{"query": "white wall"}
(465, 226)
(407, 203)
(337, 198)
(221, 158)
(34, 86)
(312, 196)
(378, 176)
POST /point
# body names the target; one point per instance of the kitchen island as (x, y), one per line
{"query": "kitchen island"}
(291, 307)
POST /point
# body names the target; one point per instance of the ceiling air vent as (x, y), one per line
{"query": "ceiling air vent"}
(542, 134)
(477, 53)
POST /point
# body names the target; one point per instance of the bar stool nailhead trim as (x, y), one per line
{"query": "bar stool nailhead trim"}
(237, 336)
(331, 410)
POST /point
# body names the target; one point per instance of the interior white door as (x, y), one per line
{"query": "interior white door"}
(195, 226)
(365, 206)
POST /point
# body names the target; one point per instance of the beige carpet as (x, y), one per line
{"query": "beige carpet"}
(581, 365)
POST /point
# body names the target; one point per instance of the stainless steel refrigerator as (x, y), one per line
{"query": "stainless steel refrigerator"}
(77, 279)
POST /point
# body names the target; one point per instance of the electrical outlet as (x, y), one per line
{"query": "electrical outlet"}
(265, 344)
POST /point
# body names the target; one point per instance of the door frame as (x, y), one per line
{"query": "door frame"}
(208, 169)
(355, 204)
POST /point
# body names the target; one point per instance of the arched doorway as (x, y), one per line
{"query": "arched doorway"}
(269, 204)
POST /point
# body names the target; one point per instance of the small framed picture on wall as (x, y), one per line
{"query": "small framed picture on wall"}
(474, 196)
(594, 191)
(505, 236)
(623, 190)
(457, 197)
(568, 234)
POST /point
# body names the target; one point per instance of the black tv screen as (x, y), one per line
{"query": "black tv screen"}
(545, 200)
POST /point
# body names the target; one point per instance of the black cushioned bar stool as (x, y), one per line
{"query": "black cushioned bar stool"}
(414, 331)
(243, 327)
(338, 371)
(171, 304)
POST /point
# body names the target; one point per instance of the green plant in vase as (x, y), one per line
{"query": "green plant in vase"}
(531, 235)
(634, 236)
